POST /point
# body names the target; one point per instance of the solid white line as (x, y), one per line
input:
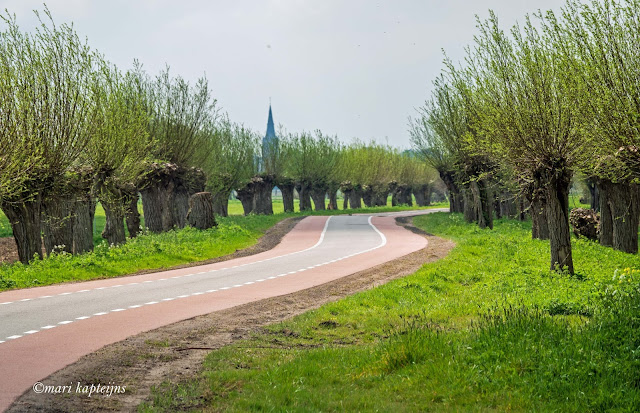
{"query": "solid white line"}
(13, 337)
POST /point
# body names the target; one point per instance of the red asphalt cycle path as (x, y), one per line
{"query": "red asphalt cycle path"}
(34, 357)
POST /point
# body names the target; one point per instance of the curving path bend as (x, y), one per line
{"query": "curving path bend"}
(47, 328)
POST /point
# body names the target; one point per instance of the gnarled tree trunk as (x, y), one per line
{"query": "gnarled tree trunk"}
(558, 217)
(24, 218)
(318, 195)
(245, 195)
(287, 196)
(624, 203)
(154, 201)
(85, 211)
(606, 214)
(200, 213)
(57, 214)
(355, 198)
(262, 190)
(114, 225)
(221, 203)
(368, 196)
(304, 196)
(131, 213)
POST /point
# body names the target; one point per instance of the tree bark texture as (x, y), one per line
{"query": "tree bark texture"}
(422, 194)
(381, 195)
(287, 197)
(57, 227)
(367, 196)
(355, 199)
(132, 215)
(113, 230)
(606, 215)
(558, 217)
(470, 213)
(345, 200)
(594, 194)
(485, 212)
(318, 195)
(154, 203)
(245, 195)
(201, 215)
(179, 205)
(85, 211)
(221, 203)
(624, 203)
(304, 196)
(24, 218)
(262, 191)
(457, 196)
(333, 199)
(539, 220)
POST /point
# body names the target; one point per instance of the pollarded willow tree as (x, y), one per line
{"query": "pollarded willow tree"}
(117, 153)
(178, 114)
(48, 114)
(452, 115)
(431, 147)
(600, 41)
(529, 117)
(232, 149)
(311, 160)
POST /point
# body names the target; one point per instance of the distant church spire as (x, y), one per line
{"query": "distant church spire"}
(269, 145)
(271, 130)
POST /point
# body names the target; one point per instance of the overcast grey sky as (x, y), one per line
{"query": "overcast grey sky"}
(354, 68)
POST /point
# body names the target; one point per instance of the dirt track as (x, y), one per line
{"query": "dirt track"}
(176, 351)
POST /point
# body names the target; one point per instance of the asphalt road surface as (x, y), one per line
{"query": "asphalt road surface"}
(45, 329)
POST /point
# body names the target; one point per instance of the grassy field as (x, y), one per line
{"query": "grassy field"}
(488, 328)
(151, 251)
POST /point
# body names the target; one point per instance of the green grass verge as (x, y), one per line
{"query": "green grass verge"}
(488, 328)
(151, 251)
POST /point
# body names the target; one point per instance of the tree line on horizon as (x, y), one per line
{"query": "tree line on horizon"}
(554, 98)
(76, 130)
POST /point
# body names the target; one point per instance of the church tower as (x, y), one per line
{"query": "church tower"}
(269, 146)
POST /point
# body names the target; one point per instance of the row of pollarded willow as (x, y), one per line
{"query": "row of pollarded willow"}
(316, 166)
(76, 130)
(536, 104)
